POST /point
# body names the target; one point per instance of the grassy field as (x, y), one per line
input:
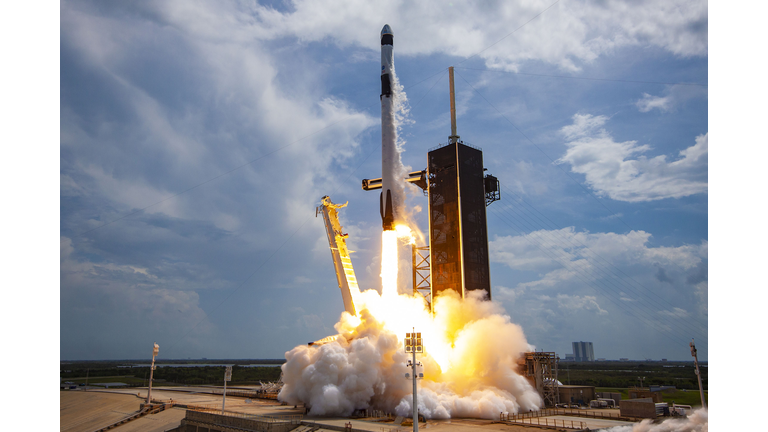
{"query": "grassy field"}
(127, 379)
(626, 374)
(171, 375)
(679, 396)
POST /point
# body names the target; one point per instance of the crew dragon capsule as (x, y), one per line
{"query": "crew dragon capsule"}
(391, 194)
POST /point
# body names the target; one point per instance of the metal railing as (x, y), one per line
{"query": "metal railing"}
(216, 409)
(546, 412)
(545, 421)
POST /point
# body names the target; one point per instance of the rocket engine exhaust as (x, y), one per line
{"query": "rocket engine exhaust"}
(391, 196)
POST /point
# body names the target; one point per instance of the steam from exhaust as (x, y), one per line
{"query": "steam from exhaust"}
(471, 347)
(696, 422)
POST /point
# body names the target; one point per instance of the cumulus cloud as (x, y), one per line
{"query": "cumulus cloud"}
(128, 300)
(568, 282)
(621, 171)
(674, 96)
(546, 250)
(567, 34)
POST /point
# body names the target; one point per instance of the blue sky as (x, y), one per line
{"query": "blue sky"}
(593, 115)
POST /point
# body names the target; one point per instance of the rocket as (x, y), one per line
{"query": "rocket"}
(391, 194)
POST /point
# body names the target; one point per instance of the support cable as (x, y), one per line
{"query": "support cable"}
(583, 247)
(597, 268)
(510, 34)
(545, 154)
(585, 78)
(597, 285)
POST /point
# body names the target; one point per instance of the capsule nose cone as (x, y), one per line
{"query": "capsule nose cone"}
(386, 30)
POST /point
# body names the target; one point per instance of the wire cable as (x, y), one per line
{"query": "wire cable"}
(545, 154)
(598, 268)
(584, 78)
(599, 286)
(510, 34)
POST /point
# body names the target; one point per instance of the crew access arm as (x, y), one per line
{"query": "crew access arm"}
(345, 274)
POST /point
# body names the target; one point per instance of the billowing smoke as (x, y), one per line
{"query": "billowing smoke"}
(471, 346)
(696, 422)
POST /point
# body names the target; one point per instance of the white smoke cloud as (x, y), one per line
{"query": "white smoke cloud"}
(696, 422)
(366, 366)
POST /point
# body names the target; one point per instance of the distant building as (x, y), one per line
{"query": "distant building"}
(569, 357)
(623, 359)
(582, 351)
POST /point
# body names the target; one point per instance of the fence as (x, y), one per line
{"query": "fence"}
(544, 421)
(562, 411)
(216, 409)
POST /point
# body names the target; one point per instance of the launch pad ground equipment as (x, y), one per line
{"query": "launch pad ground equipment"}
(540, 368)
(345, 274)
(227, 377)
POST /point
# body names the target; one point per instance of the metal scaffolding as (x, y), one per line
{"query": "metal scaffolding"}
(421, 274)
(540, 368)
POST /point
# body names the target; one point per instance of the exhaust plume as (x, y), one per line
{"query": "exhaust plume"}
(471, 347)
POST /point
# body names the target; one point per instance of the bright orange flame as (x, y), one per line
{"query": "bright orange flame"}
(400, 313)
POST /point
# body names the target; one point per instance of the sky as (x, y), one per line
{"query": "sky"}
(197, 138)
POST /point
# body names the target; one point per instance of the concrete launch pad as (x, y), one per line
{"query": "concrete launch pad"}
(92, 410)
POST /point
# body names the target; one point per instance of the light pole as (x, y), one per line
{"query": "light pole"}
(413, 345)
(698, 375)
(227, 377)
(155, 350)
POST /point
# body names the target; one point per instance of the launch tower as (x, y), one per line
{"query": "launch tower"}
(458, 194)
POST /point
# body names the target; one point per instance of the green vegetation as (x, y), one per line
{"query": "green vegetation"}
(679, 396)
(625, 374)
(100, 372)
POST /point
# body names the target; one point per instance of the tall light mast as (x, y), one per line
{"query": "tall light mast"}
(413, 345)
(698, 374)
(155, 350)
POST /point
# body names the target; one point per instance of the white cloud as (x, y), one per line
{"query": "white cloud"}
(588, 303)
(621, 171)
(675, 96)
(568, 284)
(567, 34)
(586, 253)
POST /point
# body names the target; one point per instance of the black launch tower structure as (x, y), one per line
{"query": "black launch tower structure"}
(458, 232)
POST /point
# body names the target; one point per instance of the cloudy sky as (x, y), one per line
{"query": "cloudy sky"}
(197, 138)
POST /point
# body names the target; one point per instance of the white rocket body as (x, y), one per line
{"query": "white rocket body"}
(391, 194)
